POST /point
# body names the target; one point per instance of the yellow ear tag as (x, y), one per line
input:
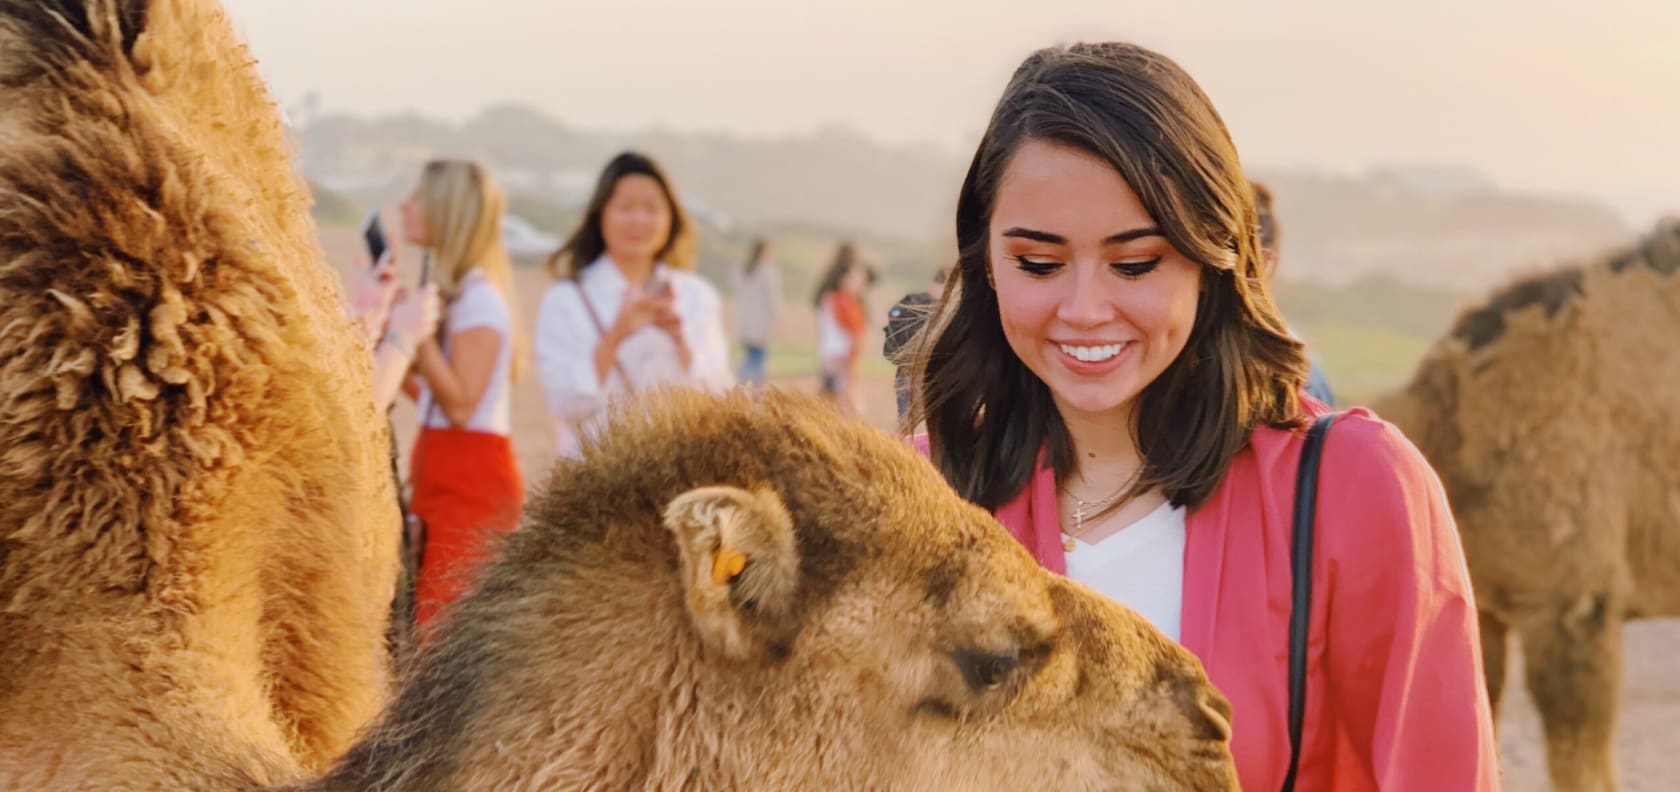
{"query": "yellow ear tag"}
(727, 565)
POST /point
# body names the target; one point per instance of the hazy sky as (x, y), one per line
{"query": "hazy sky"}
(1550, 95)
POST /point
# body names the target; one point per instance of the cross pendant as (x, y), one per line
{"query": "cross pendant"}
(1078, 525)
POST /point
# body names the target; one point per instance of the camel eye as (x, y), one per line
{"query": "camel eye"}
(985, 670)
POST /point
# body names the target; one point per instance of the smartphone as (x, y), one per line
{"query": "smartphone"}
(426, 268)
(374, 237)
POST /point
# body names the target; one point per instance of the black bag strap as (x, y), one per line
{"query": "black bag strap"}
(1300, 571)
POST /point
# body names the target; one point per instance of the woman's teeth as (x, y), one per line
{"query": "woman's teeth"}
(1093, 354)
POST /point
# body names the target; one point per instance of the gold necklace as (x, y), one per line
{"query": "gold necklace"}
(1081, 507)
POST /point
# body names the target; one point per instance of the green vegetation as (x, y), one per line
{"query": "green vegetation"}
(1367, 335)
(1375, 301)
(800, 360)
(1362, 361)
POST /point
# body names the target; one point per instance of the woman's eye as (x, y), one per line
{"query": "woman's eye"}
(1137, 269)
(1036, 267)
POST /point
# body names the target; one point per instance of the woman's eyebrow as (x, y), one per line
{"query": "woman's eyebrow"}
(1057, 239)
(1036, 236)
(1136, 233)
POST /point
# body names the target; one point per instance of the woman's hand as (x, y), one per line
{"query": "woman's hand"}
(671, 324)
(638, 311)
(414, 318)
(373, 289)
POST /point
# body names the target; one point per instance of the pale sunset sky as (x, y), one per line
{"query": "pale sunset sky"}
(1555, 96)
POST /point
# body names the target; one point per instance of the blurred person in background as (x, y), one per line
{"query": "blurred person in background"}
(758, 306)
(1318, 383)
(626, 311)
(842, 321)
(906, 319)
(465, 476)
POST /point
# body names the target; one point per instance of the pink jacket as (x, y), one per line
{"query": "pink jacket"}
(1395, 697)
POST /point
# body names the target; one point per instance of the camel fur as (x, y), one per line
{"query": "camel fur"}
(198, 530)
(752, 592)
(1551, 413)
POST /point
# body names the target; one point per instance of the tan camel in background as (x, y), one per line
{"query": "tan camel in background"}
(1552, 413)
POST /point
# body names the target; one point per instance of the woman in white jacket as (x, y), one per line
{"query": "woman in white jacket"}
(627, 311)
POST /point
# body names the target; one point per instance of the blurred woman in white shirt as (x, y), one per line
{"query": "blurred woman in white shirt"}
(466, 479)
(627, 312)
(758, 306)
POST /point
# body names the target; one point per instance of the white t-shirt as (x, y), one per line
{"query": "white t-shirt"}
(833, 342)
(479, 305)
(566, 339)
(1140, 566)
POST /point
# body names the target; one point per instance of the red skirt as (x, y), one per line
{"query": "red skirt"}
(467, 491)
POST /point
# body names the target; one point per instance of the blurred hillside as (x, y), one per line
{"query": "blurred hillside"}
(1434, 226)
(1424, 224)
(834, 177)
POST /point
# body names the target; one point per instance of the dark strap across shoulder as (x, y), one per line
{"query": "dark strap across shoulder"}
(1300, 571)
(601, 332)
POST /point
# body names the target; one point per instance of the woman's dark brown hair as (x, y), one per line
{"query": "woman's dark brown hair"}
(587, 243)
(987, 414)
(844, 260)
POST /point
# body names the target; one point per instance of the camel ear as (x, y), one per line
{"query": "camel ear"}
(739, 565)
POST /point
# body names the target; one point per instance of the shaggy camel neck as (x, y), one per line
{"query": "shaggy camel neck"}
(596, 734)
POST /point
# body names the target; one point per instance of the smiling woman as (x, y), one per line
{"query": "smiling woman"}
(1110, 376)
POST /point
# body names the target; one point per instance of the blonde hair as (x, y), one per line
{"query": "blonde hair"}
(463, 206)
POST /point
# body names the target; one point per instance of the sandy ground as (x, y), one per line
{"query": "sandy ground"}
(1648, 745)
